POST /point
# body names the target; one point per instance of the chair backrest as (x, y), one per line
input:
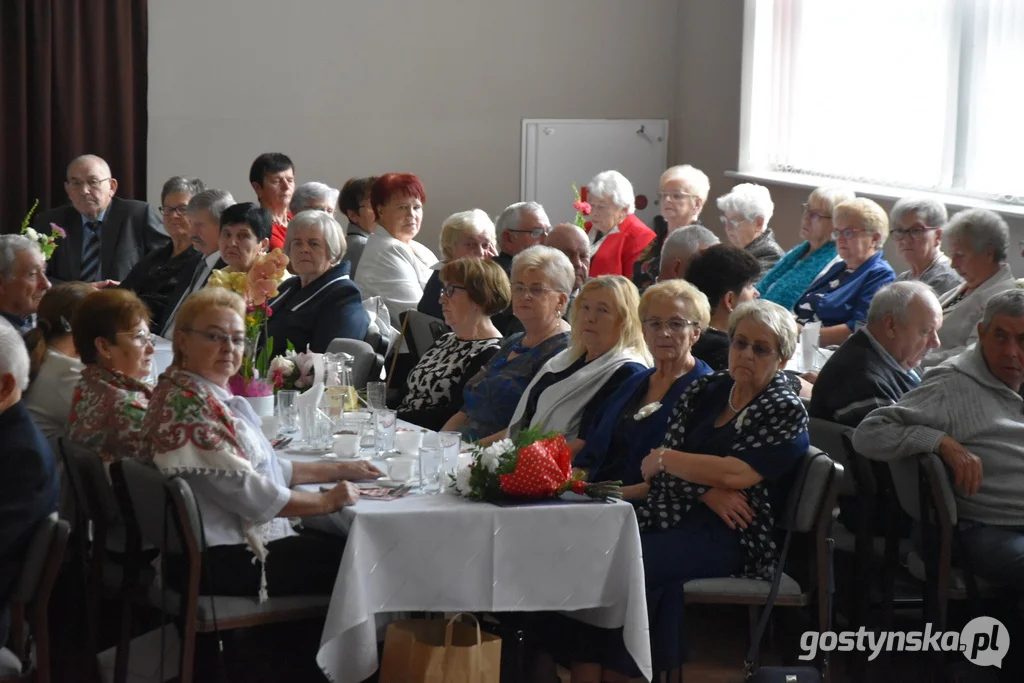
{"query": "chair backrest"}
(363, 358)
(146, 503)
(940, 488)
(904, 473)
(88, 478)
(422, 330)
(813, 492)
(42, 561)
(834, 439)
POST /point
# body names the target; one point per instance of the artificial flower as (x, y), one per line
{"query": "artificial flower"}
(489, 460)
(647, 411)
(31, 234)
(59, 231)
(283, 365)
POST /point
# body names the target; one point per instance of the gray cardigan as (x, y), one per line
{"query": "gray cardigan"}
(963, 400)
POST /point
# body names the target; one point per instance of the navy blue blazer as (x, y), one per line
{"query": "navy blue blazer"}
(329, 307)
(28, 491)
(848, 303)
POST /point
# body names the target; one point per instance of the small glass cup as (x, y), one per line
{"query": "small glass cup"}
(375, 395)
(431, 459)
(384, 422)
(451, 446)
(287, 412)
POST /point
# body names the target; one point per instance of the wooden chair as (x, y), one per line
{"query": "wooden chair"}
(32, 595)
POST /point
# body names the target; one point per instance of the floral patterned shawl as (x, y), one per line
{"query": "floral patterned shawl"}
(107, 411)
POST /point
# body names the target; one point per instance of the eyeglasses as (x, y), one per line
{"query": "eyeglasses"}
(329, 210)
(449, 290)
(520, 290)
(732, 222)
(847, 233)
(93, 183)
(139, 338)
(535, 233)
(760, 350)
(219, 337)
(675, 325)
(914, 232)
(814, 215)
(674, 196)
(176, 210)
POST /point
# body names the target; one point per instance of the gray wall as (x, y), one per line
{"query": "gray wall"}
(436, 88)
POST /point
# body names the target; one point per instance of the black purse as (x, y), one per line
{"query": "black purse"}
(786, 674)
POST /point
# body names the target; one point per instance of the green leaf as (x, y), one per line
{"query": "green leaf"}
(27, 221)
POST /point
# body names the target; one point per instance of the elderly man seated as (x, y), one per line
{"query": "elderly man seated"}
(680, 248)
(22, 280)
(969, 411)
(876, 366)
(574, 243)
(520, 226)
(28, 475)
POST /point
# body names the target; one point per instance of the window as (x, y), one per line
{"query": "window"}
(923, 94)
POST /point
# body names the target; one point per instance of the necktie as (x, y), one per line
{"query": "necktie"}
(91, 252)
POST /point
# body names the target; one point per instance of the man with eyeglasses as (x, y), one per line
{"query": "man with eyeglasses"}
(917, 231)
(520, 226)
(106, 235)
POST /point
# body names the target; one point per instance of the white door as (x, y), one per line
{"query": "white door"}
(559, 152)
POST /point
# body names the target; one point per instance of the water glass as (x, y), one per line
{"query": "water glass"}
(451, 446)
(287, 412)
(375, 395)
(384, 422)
(431, 458)
(317, 427)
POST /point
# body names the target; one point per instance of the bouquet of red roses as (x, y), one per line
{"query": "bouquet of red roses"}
(533, 465)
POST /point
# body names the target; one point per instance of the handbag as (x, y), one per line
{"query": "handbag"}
(439, 651)
(786, 674)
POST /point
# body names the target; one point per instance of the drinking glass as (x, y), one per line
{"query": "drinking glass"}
(287, 412)
(375, 395)
(384, 422)
(451, 446)
(431, 458)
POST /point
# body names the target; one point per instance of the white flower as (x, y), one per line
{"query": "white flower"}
(647, 411)
(32, 234)
(489, 461)
(739, 418)
(461, 483)
(283, 364)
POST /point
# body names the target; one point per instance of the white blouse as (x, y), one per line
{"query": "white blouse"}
(395, 271)
(48, 399)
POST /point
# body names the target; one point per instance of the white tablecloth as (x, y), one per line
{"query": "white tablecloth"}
(442, 553)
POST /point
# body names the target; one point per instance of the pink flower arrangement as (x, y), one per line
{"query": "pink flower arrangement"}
(240, 386)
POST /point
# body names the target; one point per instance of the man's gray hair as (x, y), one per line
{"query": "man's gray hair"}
(1009, 303)
(932, 211)
(13, 354)
(308, 193)
(615, 187)
(189, 186)
(895, 300)
(214, 201)
(554, 264)
(981, 230)
(510, 217)
(10, 245)
(771, 315)
(687, 241)
(748, 200)
(334, 236)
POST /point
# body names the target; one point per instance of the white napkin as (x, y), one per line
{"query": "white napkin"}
(310, 397)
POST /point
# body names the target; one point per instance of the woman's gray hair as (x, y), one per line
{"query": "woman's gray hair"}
(10, 245)
(615, 187)
(770, 315)
(509, 218)
(308, 193)
(981, 230)
(833, 195)
(14, 359)
(189, 186)
(334, 236)
(214, 201)
(749, 200)
(932, 211)
(474, 222)
(895, 299)
(554, 264)
(1010, 303)
(694, 178)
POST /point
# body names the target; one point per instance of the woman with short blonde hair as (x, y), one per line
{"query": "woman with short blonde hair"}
(466, 234)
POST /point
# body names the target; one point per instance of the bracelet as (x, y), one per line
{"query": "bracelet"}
(661, 459)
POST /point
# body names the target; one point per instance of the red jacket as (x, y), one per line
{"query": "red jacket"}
(619, 251)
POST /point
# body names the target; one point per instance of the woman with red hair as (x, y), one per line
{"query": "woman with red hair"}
(394, 265)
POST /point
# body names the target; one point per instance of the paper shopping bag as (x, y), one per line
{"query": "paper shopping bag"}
(438, 651)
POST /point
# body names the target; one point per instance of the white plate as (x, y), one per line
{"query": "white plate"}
(303, 449)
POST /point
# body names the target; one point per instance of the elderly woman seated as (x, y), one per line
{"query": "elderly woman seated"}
(244, 235)
(682, 193)
(542, 280)
(155, 277)
(979, 241)
(840, 297)
(746, 211)
(916, 227)
(354, 203)
(472, 290)
(466, 234)
(606, 348)
(788, 279)
(617, 236)
(56, 366)
(633, 420)
(197, 430)
(313, 195)
(394, 265)
(320, 304)
(726, 276)
(111, 332)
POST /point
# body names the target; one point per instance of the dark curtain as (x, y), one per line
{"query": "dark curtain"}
(73, 80)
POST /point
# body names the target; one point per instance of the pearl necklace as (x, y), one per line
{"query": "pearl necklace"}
(731, 406)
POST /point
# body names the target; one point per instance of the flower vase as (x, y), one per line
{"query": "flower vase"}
(263, 406)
